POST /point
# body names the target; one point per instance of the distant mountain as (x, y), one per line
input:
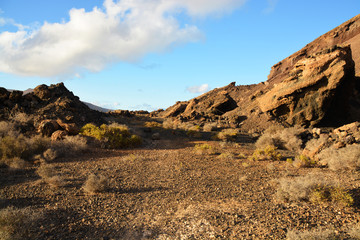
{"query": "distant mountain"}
(97, 108)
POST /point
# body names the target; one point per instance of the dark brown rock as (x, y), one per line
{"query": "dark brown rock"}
(15, 96)
(42, 92)
(48, 127)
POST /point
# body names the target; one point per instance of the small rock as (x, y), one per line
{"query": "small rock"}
(58, 135)
(339, 145)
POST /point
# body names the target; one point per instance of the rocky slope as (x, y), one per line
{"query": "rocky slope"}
(47, 102)
(316, 86)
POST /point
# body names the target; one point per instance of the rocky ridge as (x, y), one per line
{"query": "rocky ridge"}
(316, 86)
(54, 102)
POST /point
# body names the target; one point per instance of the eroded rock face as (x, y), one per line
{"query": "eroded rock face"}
(317, 87)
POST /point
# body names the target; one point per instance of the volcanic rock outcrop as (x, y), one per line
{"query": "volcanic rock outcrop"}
(316, 86)
(48, 102)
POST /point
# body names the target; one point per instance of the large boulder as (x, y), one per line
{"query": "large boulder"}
(317, 88)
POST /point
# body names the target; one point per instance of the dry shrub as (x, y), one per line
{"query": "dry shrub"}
(113, 135)
(209, 127)
(269, 153)
(50, 155)
(17, 223)
(228, 134)
(347, 158)
(227, 155)
(50, 175)
(204, 149)
(69, 146)
(8, 129)
(314, 188)
(316, 234)
(17, 163)
(95, 184)
(22, 147)
(153, 124)
(21, 117)
(46, 171)
(303, 161)
(288, 138)
(56, 181)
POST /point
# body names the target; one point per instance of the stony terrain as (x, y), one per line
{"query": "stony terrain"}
(275, 160)
(168, 190)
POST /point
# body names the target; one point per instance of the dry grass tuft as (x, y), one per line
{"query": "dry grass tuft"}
(288, 138)
(17, 163)
(269, 153)
(227, 155)
(153, 124)
(303, 161)
(204, 149)
(50, 155)
(314, 188)
(22, 147)
(69, 146)
(347, 158)
(228, 134)
(95, 184)
(46, 171)
(17, 223)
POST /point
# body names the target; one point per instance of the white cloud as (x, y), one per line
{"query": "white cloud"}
(198, 89)
(124, 30)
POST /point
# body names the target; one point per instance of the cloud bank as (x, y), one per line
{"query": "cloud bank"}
(123, 30)
(198, 89)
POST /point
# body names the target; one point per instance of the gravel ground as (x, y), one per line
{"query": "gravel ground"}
(167, 191)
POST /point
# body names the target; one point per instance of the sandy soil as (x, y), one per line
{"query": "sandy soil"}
(168, 191)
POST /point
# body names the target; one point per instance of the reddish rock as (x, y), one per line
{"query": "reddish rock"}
(71, 128)
(58, 135)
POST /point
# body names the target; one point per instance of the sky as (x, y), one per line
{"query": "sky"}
(149, 54)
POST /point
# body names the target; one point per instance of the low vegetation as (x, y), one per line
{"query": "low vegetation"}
(114, 135)
(16, 224)
(96, 184)
(268, 153)
(314, 188)
(204, 149)
(228, 134)
(303, 161)
(283, 138)
(347, 158)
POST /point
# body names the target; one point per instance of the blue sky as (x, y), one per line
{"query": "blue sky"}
(148, 54)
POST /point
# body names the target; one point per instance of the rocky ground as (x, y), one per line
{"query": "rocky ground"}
(167, 190)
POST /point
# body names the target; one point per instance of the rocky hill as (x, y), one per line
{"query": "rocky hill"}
(316, 86)
(47, 102)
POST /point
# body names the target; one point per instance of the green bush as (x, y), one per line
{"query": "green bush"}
(114, 135)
